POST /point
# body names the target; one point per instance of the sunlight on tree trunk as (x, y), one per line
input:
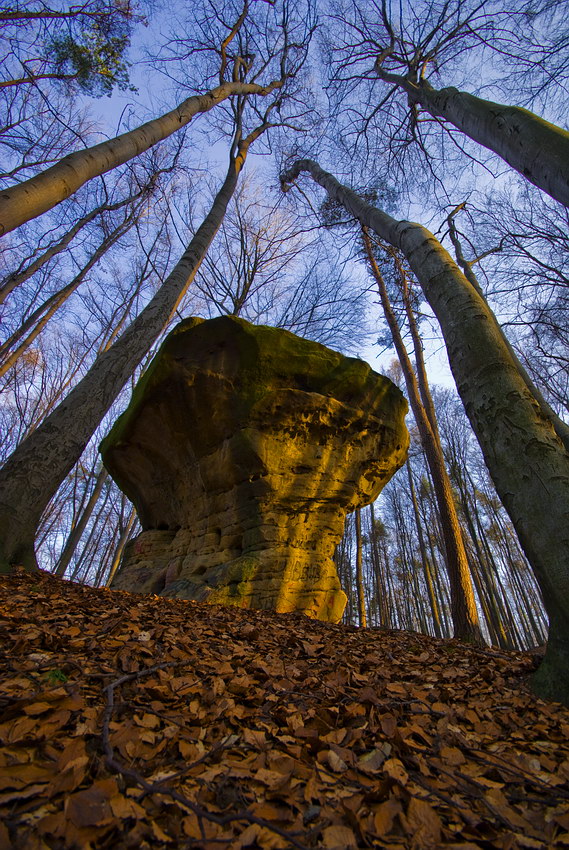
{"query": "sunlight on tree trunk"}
(463, 604)
(527, 461)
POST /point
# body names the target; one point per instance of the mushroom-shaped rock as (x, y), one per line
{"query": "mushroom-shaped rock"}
(242, 449)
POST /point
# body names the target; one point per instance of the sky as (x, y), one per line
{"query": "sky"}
(154, 94)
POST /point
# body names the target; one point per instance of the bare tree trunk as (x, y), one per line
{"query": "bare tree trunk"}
(16, 279)
(91, 545)
(380, 580)
(32, 197)
(561, 427)
(359, 571)
(35, 470)
(435, 613)
(79, 528)
(123, 540)
(52, 304)
(526, 459)
(463, 604)
(536, 149)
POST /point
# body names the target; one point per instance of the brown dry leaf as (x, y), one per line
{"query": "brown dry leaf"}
(123, 807)
(397, 689)
(260, 836)
(526, 841)
(452, 756)
(388, 725)
(337, 764)
(422, 823)
(338, 838)
(384, 816)
(372, 761)
(24, 794)
(271, 778)
(5, 843)
(18, 730)
(255, 738)
(147, 721)
(462, 845)
(498, 801)
(159, 834)
(20, 775)
(91, 807)
(37, 708)
(394, 768)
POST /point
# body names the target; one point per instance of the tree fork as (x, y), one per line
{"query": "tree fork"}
(535, 148)
(31, 198)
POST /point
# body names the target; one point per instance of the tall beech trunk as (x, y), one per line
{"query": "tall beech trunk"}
(359, 572)
(561, 427)
(526, 459)
(32, 197)
(463, 605)
(77, 531)
(435, 613)
(537, 149)
(32, 474)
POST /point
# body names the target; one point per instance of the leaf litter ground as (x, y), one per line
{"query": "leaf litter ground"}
(134, 721)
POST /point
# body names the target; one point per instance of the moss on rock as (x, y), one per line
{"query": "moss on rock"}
(264, 437)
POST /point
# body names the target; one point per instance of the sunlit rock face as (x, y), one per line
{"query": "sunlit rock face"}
(243, 448)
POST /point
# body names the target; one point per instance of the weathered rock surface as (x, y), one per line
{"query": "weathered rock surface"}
(243, 448)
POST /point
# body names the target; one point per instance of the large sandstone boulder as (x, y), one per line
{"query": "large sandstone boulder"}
(243, 448)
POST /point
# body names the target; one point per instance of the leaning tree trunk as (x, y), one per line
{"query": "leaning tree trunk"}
(32, 197)
(463, 604)
(538, 150)
(33, 473)
(561, 427)
(526, 459)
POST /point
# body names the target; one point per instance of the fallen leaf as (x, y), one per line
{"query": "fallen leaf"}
(385, 815)
(394, 768)
(338, 838)
(91, 807)
(422, 823)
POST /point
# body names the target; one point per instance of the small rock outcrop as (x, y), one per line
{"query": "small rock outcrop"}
(242, 449)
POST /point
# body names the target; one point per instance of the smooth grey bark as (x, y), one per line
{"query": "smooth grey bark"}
(538, 150)
(33, 473)
(528, 462)
(561, 428)
(32, 197)
(465, 621)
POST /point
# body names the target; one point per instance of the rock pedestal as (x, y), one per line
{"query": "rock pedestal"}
(242, 449)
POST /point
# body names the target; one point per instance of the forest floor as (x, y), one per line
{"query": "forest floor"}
(132, 721)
